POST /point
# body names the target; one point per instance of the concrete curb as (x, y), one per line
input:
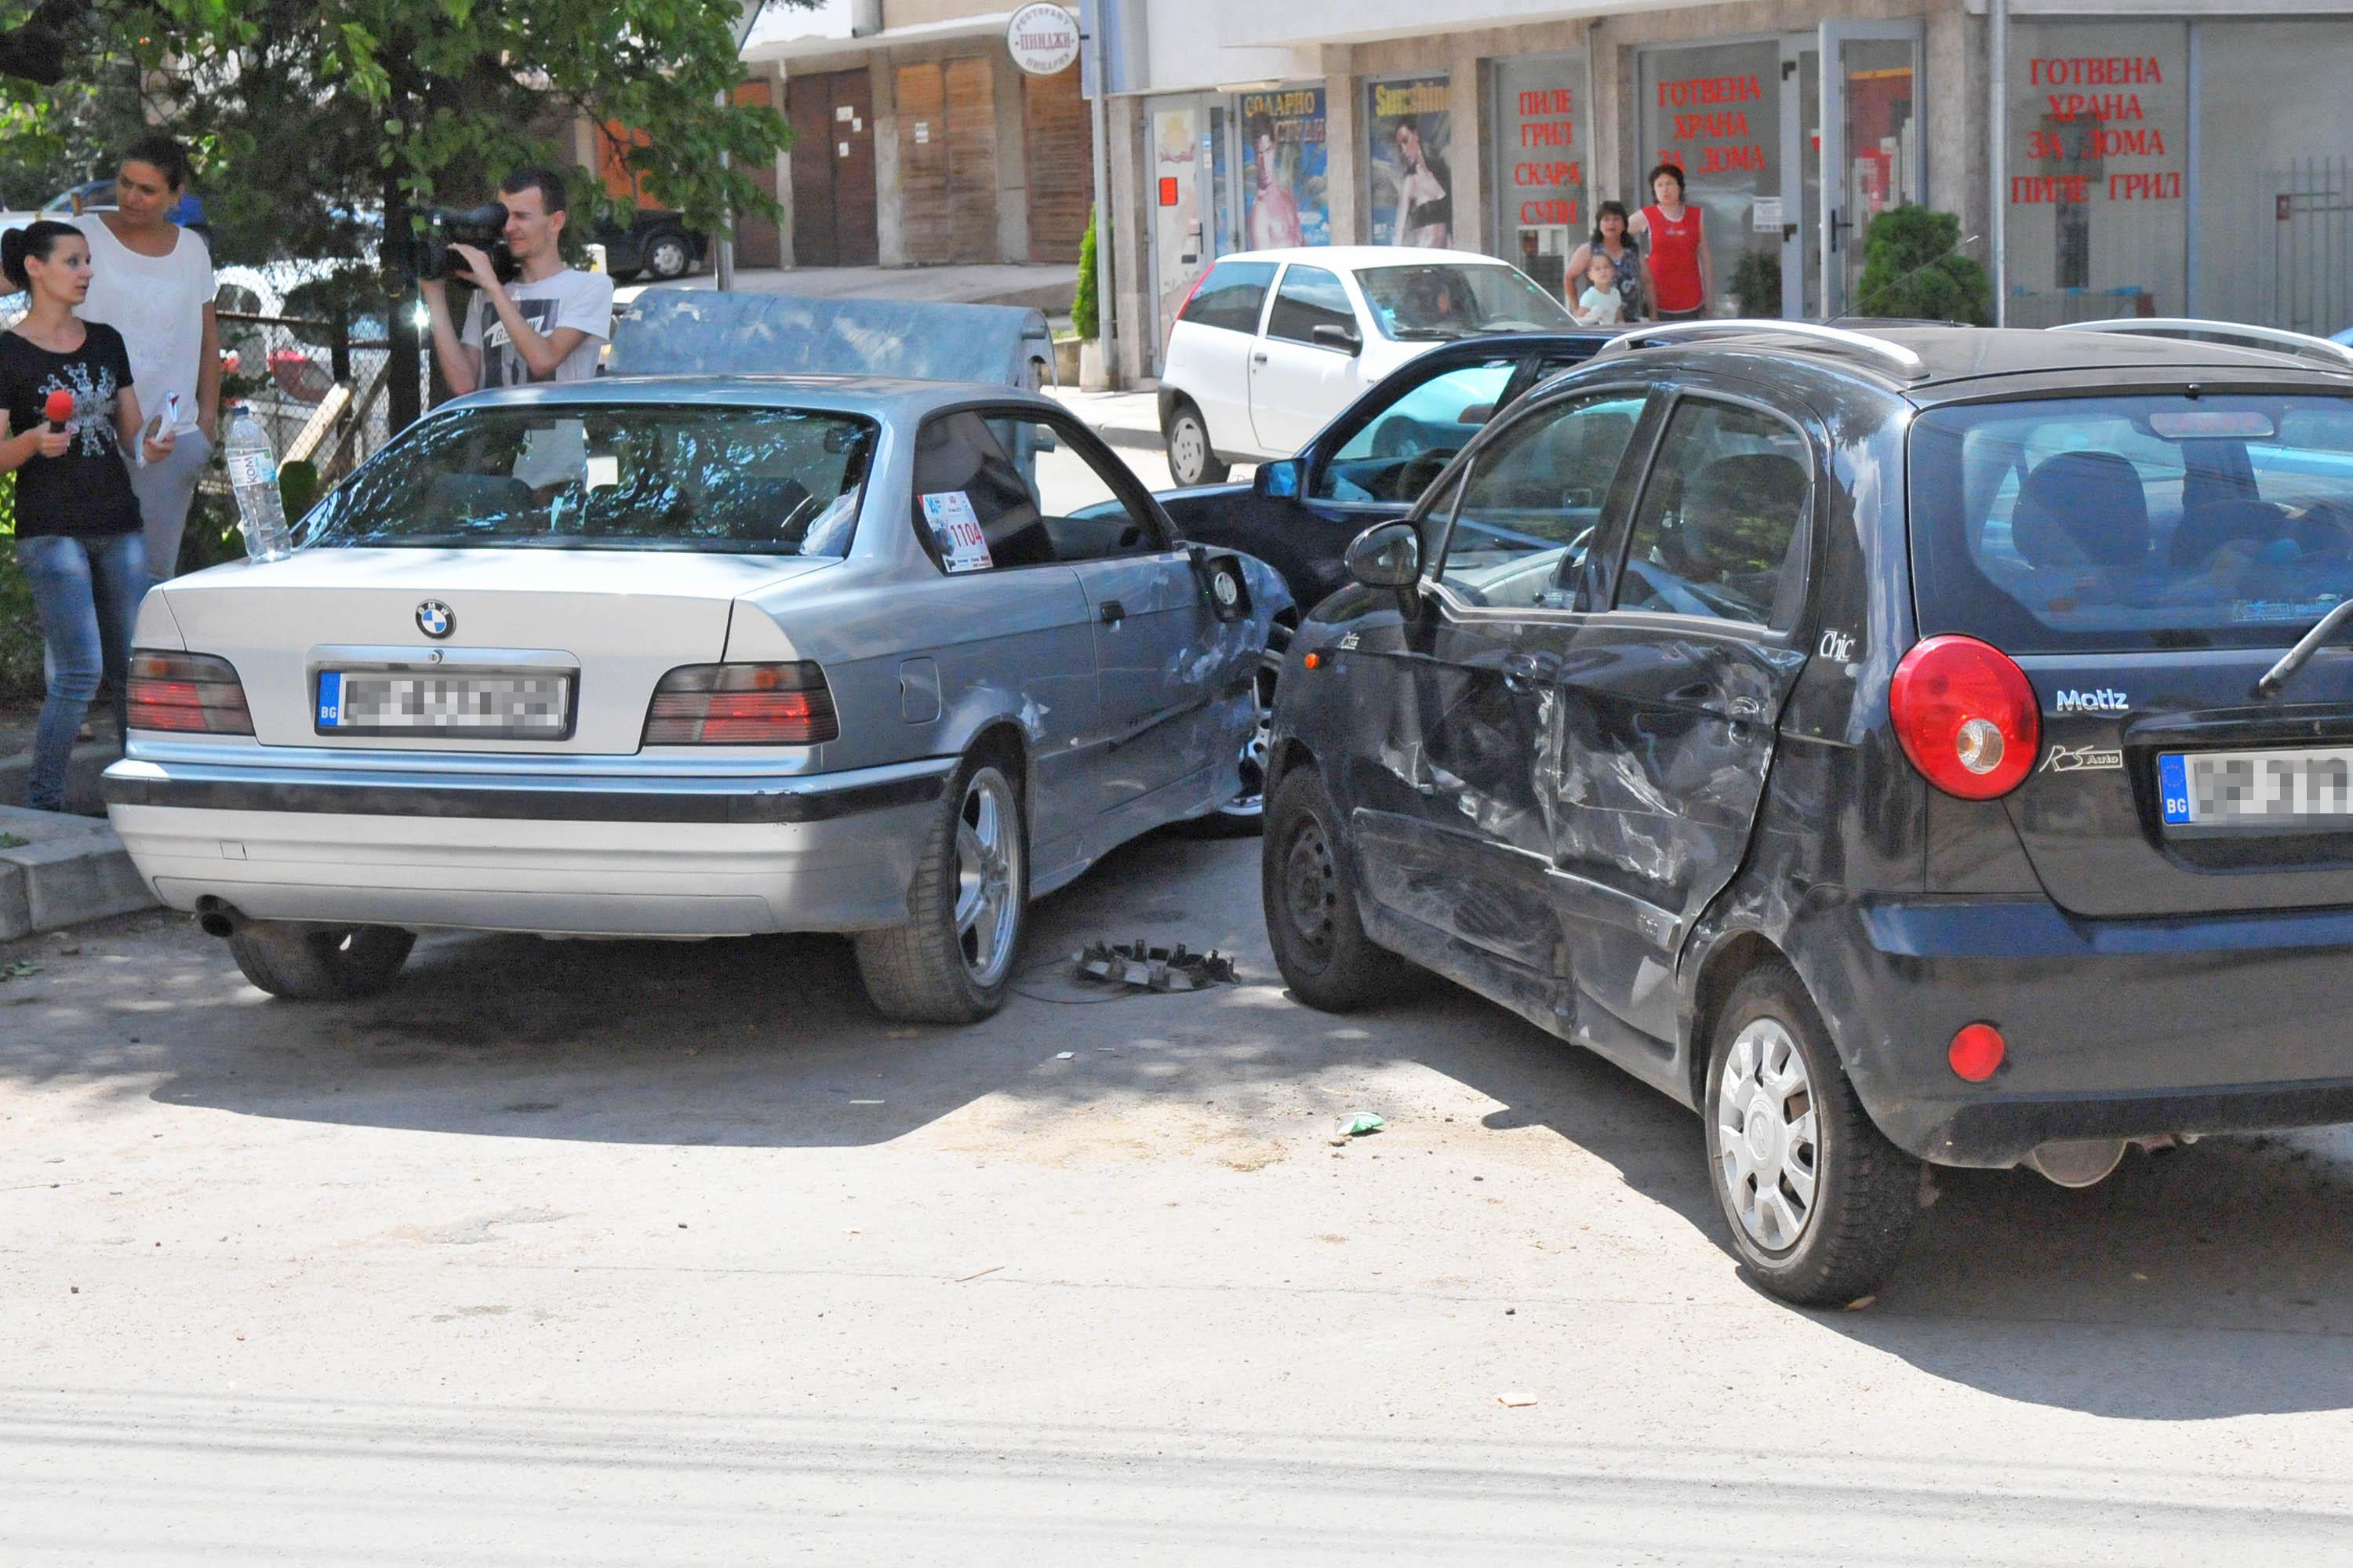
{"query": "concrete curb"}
(70, 870)
(1139, 441)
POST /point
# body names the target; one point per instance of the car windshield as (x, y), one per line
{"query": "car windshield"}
(1433, 301)
(2121, 524)
(774, 481)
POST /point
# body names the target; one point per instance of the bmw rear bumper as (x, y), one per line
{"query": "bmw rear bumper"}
(2115, 1029)
(556, 854)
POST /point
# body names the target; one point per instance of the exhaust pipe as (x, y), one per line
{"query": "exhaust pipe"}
(218, 916)
(2078, 1161)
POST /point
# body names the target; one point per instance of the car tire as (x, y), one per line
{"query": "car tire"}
(955, 962)
(1191, 458)
(668, 255)
(1819, 1203)
(305, 962)
(1309, 893)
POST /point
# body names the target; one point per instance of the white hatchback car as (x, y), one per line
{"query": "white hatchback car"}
(1270, 345)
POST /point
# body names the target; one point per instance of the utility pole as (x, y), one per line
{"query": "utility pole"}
(1106, 296)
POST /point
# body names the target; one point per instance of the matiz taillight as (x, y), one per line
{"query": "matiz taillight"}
(1967, 715)
(189, 692)
(742, 704)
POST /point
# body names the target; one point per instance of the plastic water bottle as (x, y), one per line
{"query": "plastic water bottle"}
(253, 475)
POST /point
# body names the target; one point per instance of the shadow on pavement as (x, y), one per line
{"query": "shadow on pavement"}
(2112, 1301)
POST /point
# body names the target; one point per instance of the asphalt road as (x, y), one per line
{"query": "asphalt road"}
(644, 1253)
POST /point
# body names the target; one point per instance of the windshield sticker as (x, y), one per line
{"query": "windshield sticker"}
(2271, 611)
(956, 529)
(2081, 758)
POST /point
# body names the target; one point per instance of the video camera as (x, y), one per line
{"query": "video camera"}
(484, 227)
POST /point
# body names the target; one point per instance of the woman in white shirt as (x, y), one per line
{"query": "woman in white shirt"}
(152, 280)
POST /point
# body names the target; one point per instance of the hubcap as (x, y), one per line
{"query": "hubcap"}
(1765, 1135)
(669, 258)
(1311, 888)
(988, 848)
(1188, 446)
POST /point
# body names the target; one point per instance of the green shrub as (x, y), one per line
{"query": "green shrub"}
(20, 628)
(1086, 310)
(1756, 283)
(1913, 267)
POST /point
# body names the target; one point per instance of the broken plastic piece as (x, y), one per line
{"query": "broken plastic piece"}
(1154, 968)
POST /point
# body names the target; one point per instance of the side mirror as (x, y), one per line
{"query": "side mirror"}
(1476, 414)
(1337, 335)
(1281, 481)
(1386, 556)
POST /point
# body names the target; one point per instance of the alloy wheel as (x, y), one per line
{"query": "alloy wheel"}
(1188, 450)
(988, 846)
(1767, 1146)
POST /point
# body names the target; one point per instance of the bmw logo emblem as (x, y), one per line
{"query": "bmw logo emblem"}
(435, 618)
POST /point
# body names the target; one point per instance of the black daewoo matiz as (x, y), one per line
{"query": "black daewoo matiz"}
(1915, 745)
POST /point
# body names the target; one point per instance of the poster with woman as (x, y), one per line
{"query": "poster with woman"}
(1411, 123)
(1286, 200)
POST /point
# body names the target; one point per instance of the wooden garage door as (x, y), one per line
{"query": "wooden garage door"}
(1057, 136)
(758, 241)
(833, 169)
(948, 160)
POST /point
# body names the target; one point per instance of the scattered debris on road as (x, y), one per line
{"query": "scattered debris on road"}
(1356, 1124)
(1154, 968)
(1515, 1401)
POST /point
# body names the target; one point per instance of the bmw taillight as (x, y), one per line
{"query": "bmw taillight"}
(1967, 717)
(191, 693)
(742, 704)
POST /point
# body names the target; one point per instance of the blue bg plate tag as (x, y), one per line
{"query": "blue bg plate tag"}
(2173, 789)
(331, 699)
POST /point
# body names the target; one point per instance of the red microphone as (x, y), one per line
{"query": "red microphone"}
(59, 410)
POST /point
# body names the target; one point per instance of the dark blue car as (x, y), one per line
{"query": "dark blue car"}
(1929, 744)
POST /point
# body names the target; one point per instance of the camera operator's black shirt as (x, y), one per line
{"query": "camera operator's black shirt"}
(85, 494)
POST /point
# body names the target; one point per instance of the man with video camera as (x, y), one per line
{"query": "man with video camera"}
(546, 325)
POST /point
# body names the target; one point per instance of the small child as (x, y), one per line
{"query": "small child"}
(1601, 304)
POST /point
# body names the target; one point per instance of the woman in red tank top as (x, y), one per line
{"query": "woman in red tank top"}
(1678, 260)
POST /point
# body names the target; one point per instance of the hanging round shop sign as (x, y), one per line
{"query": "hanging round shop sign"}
(1044, 39)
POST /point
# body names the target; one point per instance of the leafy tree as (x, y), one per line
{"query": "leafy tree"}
(321, 125)
(1913, 267)
(1086, 310)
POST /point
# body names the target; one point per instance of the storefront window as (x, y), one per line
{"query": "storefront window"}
(1285, 195)
(1714, 111)
(2274, 218)
(1538, 164)
(1409, 124)
(2099, 121)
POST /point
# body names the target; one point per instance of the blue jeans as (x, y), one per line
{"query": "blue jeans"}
(87, 592)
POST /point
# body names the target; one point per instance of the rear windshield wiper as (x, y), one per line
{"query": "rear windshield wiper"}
(2295, 658)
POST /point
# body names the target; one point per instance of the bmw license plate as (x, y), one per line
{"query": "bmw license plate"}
(2255, 788)
(483, 707)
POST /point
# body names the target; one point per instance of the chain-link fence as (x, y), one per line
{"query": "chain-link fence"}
(318, 387)
(319, 391)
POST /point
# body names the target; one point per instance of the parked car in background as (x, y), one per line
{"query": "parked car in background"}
(1913, 746)
(1374, 461)
(1270, 345)
(689, 657)
(654, 243)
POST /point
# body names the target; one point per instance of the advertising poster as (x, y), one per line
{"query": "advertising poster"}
(1285, 198)
(1411, 123)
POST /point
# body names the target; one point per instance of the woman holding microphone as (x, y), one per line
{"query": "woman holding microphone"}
(70, 415)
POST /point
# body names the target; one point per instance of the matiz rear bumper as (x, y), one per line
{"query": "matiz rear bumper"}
(2115, 1029)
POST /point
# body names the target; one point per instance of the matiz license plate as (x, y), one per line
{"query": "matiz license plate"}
(2255, 788)
(481, 707)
